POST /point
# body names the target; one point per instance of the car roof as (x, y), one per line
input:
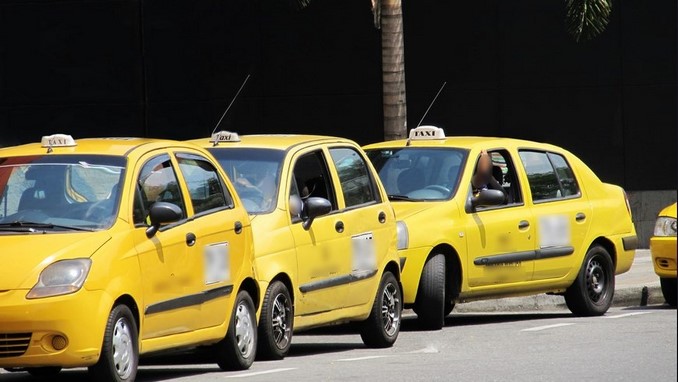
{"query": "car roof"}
(272, 141)
(120, 146)
(466, 142)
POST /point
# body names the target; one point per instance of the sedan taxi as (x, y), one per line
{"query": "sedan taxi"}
(112, 248)
(324, 235)
(535, 220)
(663, 249)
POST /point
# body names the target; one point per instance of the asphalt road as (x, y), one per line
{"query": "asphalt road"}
(627, 344)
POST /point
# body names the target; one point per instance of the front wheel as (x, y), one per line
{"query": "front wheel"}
(120, 350)
(669, 290)
(430, 304)
(381, 328)
(592, 291)
(275, 323)
(237, 350)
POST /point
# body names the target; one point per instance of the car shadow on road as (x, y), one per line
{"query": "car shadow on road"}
(651, 307)
(143, 375)
(411, 324)
(305, 349)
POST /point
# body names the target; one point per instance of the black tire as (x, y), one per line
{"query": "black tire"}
(449, 306)
(43, 372)
(381, 328)
(238, 349)
(119, 357)
(275, 323)
(430, 303)
(592, 291)
(669, 290)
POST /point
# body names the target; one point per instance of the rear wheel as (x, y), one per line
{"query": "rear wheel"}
(381, 328)
(120, 350)
(275, 323)
(237, 350)
(591, 292)
(669, 290)
(430, 304)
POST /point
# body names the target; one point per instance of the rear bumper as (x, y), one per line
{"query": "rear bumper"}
(626, 252)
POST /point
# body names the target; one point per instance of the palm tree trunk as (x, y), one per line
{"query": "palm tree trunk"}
(393, 69)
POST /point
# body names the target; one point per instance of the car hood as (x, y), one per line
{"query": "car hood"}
(405, 210)
(23, 257)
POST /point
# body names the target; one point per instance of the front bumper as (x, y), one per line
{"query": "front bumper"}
(28, 328)
(663, 251)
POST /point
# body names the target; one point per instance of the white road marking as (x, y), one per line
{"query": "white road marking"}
(426, 350)
(538, 328)
(361, 358)
(261, 372)
(627, 314)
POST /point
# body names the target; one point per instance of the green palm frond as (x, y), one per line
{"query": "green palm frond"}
(586, 19)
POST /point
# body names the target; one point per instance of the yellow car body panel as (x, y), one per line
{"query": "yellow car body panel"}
(316, 264)
(663, 248)
(162, 279)
(471, 239)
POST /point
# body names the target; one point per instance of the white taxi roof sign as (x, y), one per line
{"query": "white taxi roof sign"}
(224, 136)
(425, 133)
(57, 140)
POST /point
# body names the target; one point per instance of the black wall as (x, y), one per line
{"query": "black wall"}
(169, 69)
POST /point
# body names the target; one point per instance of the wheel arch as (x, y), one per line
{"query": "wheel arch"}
(131, 303)
(453, 268)
(250, 286)
(609, 247)
(287, 281)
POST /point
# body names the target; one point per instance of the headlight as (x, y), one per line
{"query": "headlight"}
(61, 277)
(665, 226)
(403, 235)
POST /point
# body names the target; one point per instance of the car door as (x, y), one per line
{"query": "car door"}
(367, 220)
(562, 213)
(216, 243)
(501, 238)
(169, 275)
(324, 265)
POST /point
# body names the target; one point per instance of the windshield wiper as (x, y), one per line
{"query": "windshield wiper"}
(399, 197)
(27, 226)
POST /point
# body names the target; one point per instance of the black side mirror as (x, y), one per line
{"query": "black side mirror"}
(488, 198)
(162, 213)
(314, 207)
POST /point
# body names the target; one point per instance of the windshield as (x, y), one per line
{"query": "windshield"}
(255, 173)
(411, 173)
(59, 192)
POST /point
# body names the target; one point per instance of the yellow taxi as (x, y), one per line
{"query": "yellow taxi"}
(112, 248)
(663, 249)
(535, 219)
(324, 235)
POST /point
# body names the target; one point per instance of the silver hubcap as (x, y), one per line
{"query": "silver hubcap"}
(390, 309)
(244, 330)
(123, 349)
(595, 280)
(280, 321)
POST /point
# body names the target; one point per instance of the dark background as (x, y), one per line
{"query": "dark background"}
(163, 68)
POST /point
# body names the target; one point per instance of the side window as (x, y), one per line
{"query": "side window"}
(568, 182)
(549, 175)
(313, 179)
(157, 182)
(204, 185)
(504, 172)
(357, 185)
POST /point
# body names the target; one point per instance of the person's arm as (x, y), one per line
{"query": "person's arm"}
(482, 174)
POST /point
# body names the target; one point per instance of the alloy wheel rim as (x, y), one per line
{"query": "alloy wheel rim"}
(280, 321)
(390, 309)
(123, 349)
(596, 280)
(244, 330)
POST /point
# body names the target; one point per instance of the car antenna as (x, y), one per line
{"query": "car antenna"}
(231, 104)
(429, 108)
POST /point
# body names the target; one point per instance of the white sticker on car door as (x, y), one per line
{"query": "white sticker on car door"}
(217, 263)
(554, 231)
(364, 254)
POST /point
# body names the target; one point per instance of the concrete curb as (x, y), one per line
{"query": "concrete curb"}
(626, 296)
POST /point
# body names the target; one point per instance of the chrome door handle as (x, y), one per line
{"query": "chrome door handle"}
(523, 224)
(580, 216)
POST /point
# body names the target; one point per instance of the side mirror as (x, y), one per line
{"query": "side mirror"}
(488, 198)
(314, 207)
(162, 213)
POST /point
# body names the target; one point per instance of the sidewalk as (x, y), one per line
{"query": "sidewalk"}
(628, 292)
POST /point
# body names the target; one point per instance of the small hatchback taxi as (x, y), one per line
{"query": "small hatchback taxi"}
(663, 250)
(535, 219)
(324, 235)
(112, 248)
